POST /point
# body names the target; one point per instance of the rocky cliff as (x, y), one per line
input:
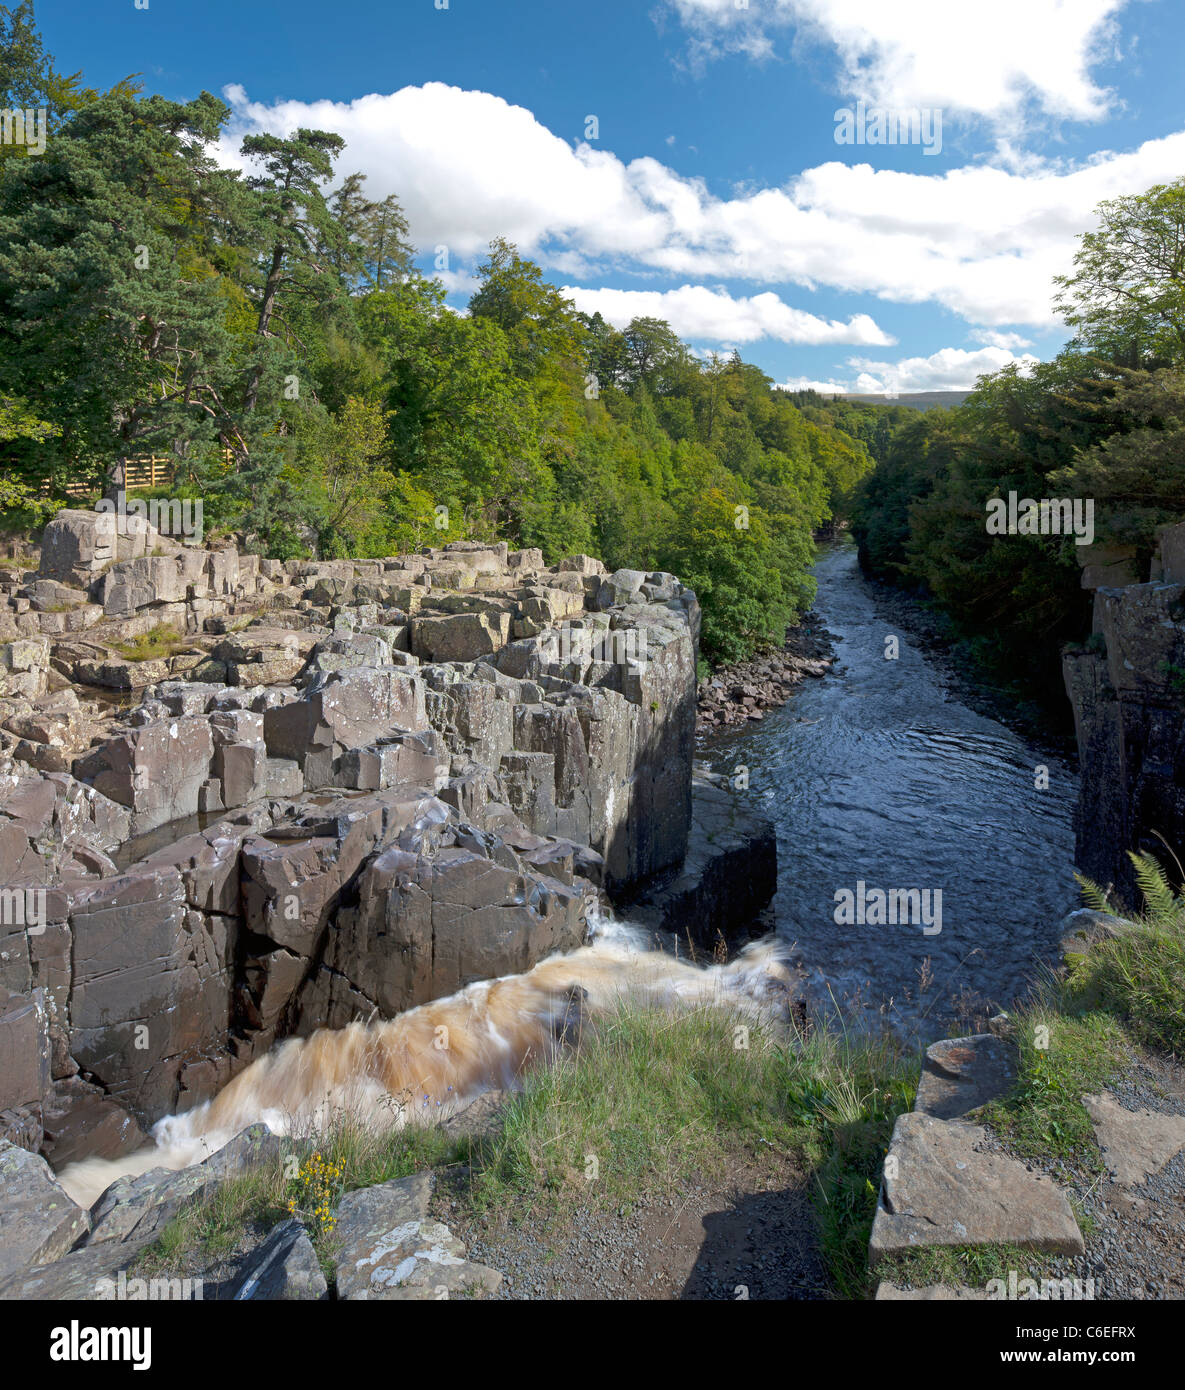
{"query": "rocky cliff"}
(1127, 687)
(241, 799)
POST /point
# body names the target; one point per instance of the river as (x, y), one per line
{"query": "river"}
(879, 773)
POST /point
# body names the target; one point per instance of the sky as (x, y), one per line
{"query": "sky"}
(717, 163)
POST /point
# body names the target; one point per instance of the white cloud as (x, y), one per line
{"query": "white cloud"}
(1001, 340)
(701, 314)
(982, 60)
(948, 369)
(457, 281)
(982, 242)
(824, 388)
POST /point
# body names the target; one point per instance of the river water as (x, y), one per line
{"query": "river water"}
(878, 773)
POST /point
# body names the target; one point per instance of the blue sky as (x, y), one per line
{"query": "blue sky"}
(714, 193)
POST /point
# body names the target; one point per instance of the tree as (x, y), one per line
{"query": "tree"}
(377, 254)
(1127, 295)
(342, 459)
(652, 346)
(541, 330)
(292, 226)
(1136, 476)
(107, 329)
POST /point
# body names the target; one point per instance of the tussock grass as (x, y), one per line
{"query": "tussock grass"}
(1076, 1034)
(658, 1100)
(1062, 1055)
(1139, 975)
(970, 1265)
(160, 641)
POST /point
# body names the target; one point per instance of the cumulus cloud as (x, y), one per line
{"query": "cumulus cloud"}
(986, 61)
(703, 314)
(981, 241)
(1001, 340)
(948, 369)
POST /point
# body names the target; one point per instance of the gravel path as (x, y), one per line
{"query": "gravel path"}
(1137, 1247)
(756, 1240)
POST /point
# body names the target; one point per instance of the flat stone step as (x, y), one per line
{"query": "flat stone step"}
(939, 1190)
(1135, 1143)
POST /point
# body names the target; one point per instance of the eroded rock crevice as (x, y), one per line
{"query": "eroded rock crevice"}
(241, 800)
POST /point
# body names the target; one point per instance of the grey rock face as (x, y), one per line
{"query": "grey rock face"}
(1129, 714)
(284, 1268)
(39, 1221)
(363, 784)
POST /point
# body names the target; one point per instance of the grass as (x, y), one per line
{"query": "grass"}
(651, 1102)
(969, 1265)
(1061, 1056)
(219, 1222)
(654, 1101)
(1138, 975)
(1077, 1033)
(160, 641)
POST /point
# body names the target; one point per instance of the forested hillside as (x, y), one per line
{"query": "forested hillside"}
(270, 331)
(1103, 422)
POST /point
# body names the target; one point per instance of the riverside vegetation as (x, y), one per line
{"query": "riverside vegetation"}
(329, 404)
(322, 400)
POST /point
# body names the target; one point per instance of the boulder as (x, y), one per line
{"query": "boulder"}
(961, 1074)
(284, 1268)
(390, 1250)
(134, 1210)
(343, 710)
(156, 771)
(459, 636)
(39, 1221)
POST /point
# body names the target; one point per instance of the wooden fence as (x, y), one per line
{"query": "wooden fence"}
(144, 471)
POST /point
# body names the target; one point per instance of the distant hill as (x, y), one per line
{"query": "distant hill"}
(916, 400)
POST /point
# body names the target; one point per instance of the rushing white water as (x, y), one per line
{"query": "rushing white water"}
(422, 1064)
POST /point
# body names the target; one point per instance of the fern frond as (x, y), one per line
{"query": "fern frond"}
(1092, 894)
(1158, 893)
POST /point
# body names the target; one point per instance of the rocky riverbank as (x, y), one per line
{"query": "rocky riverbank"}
(241, 800)
(744, 691)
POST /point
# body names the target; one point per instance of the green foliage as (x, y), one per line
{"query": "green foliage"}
(1137, 973)
(1062, 1055)
(1127, 294)
(152, 301)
